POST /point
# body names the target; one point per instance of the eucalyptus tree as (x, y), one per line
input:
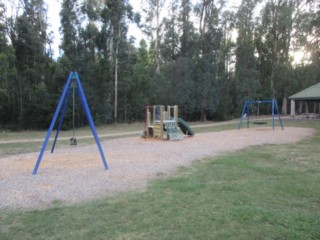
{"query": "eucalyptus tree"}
(181, 70)
(116, 13)
(30, 39)
(176, 27)
(169, 51)
(226, 80)
(307, 35)
(94, 34)
(136, 87)
(94, 63)
(7, 73)
(246, 72)
(313, 43)
(228, 25)
(207, 69)
(169, 46)
(188, 36)
(152, 27)
(279, 29)
(70, 26)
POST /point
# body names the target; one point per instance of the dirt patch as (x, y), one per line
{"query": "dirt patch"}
(76, 174)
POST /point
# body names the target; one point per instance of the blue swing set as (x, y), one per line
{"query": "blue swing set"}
(246, 111)
(73, 84)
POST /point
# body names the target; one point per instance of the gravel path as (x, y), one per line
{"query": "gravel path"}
(76, 174)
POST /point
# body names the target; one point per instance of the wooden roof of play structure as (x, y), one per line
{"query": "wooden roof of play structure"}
(310, 93)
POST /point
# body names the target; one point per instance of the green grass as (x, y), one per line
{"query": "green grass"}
(263, 192)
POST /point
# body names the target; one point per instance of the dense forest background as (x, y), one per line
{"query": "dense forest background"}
(203, 56)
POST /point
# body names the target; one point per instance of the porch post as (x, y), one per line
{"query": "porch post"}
(293, 108)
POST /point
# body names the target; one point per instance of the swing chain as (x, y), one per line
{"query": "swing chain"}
(73, 140)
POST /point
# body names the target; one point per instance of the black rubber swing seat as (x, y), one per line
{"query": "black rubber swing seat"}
(259, 123)
(73, 141)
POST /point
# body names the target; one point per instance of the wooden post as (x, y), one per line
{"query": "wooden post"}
(158, 121)
(176, 113)
(293, 108)
(307, 106)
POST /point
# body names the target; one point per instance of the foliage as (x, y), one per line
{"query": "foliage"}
(203, 56)
(246, 73)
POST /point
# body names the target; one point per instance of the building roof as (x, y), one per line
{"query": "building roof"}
(310, 93)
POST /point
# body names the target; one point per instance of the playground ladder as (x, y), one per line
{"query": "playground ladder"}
(172, 130)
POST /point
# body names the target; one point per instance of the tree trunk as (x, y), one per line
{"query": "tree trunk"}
(203, 116)
(157, 38)
(20, 101)
(274, 65)
(115, 116)
(274, 47)
(284, 105)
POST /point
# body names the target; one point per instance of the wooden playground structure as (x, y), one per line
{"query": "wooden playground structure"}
(163, 123)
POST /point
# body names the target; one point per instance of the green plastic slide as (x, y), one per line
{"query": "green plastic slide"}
(185, 128)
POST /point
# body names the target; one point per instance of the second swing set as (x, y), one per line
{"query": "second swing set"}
(246, 112)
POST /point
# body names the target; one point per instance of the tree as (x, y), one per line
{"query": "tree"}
(313, 45)
(169, 47)
(136, 84)
(114, 17)
(206, 75)
(188, 37)
(183, 85)
(280, 20)
(226, 81)
(7, 74)
(153, 27)
(29, 38)
(246, 73)
(70, 25)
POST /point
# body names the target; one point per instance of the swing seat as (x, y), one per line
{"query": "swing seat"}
(73, 141)
(259, 123)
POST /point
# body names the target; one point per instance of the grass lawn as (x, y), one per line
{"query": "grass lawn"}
(262, 192)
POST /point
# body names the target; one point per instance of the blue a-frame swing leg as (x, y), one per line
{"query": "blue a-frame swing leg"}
(273, 103)
(89, 117)
(242, 114)
(54, 119)
(279, 115)
(73, 75)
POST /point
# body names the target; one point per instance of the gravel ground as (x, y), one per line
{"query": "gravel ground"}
(76, 174)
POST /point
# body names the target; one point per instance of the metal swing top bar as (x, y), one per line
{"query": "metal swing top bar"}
(246, 112)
